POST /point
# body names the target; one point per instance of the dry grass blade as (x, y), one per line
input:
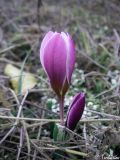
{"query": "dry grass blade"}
(84, 120)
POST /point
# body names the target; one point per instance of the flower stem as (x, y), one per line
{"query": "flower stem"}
(61, 101)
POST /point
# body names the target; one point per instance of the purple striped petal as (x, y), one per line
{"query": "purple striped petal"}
(55, 61)
(43, 44)
(70, 55)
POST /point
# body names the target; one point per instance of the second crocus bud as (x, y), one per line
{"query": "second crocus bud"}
(75, 111)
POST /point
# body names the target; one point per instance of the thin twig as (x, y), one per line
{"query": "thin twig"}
(85, 135)
(13, 47)
(58, 120)
(42, 108)
(39, 133)
(21, 143)
(41, 151)
(103, 114)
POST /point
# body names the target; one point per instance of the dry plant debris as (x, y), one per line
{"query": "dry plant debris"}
(27, 121)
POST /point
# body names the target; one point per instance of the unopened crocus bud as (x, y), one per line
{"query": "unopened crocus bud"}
(75, 111)
(57, 55)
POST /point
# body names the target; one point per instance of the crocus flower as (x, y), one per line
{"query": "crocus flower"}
(57, 55)
(75, 111)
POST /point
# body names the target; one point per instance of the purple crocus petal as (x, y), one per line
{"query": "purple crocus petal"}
(54, 57)
(75, 111)
(43, 44)
(75, 98)
(71, 58)
(70, 55)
